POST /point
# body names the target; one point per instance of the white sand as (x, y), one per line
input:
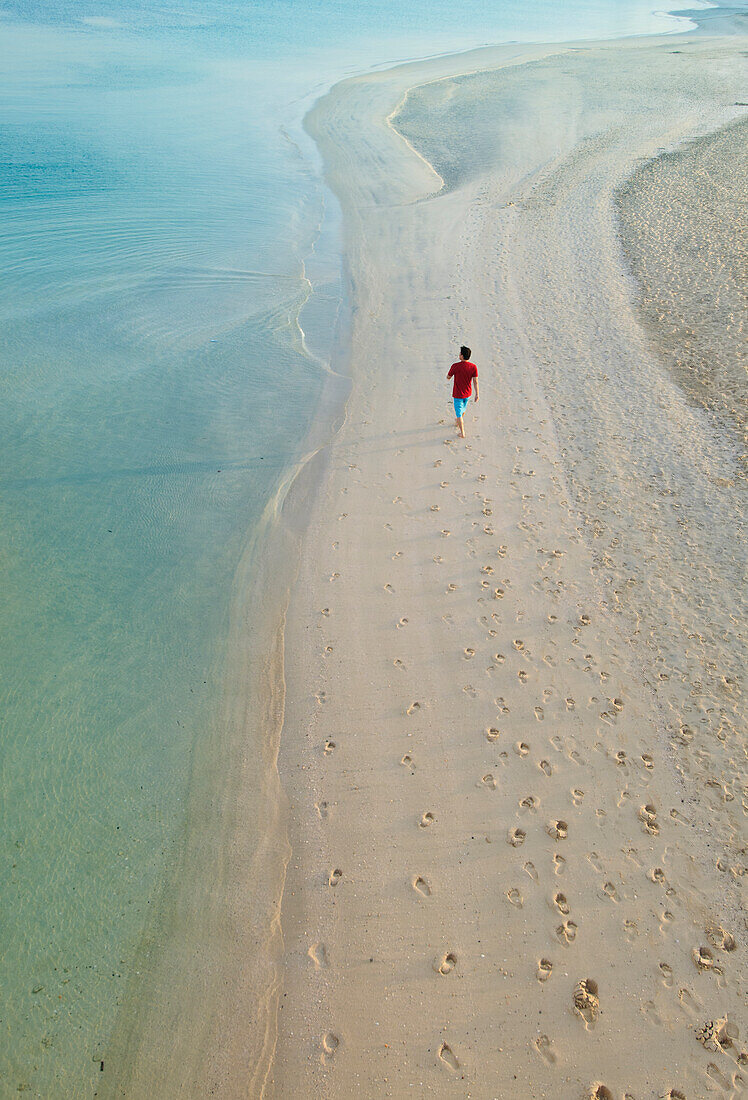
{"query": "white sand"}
(514, 750)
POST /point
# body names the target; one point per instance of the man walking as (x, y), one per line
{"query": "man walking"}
(463, 372)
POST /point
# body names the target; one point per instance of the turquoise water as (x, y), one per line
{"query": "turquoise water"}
(164, 230)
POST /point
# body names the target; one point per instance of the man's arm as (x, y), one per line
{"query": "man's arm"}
(451, 371)
(476, 387)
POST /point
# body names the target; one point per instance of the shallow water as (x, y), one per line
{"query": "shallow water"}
(162, 215)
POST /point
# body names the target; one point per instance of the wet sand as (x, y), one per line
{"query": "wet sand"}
(514, 735)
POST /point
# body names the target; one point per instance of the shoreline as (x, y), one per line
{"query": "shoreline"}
(332, 772)
(214, 923)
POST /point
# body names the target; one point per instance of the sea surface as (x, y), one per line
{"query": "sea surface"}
(170, 297)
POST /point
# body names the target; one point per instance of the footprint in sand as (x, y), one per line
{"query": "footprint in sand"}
(413, 709)
(647, 761)
(518, 644)
(334, 877)
(539, 714)
(468, 653)
(577, 796)
(422, 886)
(667, 974)
(559, 865)
(559, 900)
(688, 1001)
(330, 1044)
(566, 932)
(521, 748)
(530, 804)
(545, 969)
(329, 748)
(530, 869)
(426, 819)
(720, 938)
(600, 1092)
(445, 964)
(399, 664)
(703, 959)
(715, 1074)
(402, 622)
(323, 810)
(447, 1058)
(408, 762)
(586, 1001)
(515, 898)
(389, 588)
(610, 891)
(492, 734)
(648, 817)
(594, 860)
(544, 1047)
(489, 782)
(318, 954)
(545, 767)
(557, 829)
(517, 837)
(522, 676)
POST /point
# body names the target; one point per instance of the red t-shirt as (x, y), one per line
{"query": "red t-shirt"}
(463, 372)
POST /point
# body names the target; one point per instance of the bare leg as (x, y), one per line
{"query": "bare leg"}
(460, 425)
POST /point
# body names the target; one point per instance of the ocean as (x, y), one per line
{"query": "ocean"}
(172, 303)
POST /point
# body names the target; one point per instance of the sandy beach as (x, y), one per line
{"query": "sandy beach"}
(513, 743)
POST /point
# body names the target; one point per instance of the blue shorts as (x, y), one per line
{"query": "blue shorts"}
(461, 403)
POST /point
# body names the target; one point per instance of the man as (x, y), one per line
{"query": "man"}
(463, 372)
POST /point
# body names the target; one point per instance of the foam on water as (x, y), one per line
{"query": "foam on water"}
(163, 224)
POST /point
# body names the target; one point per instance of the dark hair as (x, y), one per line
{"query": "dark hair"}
(465, 352)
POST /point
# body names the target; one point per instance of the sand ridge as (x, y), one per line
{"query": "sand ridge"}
(505, 880)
